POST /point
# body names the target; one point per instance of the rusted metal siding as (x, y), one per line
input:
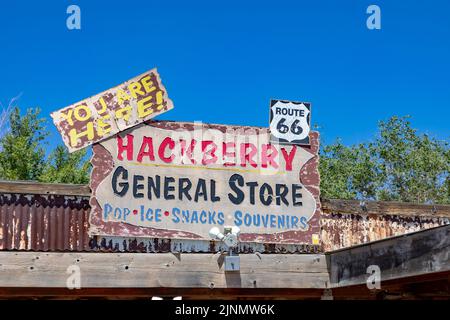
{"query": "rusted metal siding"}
(346, 230)
(61, 223)
(44, 223)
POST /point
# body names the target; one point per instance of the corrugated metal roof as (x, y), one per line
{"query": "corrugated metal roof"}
(44, 223)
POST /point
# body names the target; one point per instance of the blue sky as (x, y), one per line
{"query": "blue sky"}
(222, 61)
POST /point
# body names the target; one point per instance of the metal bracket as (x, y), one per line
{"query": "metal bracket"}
(232, 261)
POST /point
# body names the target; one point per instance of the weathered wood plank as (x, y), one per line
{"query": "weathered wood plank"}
(135, 270)
(384, 207)
(423, 252)
(167, 293)
(29, 187)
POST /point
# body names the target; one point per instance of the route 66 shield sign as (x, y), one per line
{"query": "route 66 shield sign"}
(290, 122)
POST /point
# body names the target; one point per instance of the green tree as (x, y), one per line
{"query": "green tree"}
(23, 156)
(65, 167)
(348, 172)
(399, 164)
(22, 153)
(413, 167)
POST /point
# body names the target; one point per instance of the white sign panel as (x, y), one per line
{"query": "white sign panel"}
(178, 180)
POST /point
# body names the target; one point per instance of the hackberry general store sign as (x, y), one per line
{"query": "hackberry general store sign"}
(290, 122)
(105, 114)
(178, 180)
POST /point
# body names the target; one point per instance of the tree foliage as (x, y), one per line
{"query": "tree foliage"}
(23, 153)
(399, 165)
(65, 167)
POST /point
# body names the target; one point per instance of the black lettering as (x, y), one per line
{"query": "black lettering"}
(138, 186)
(296, 194)
(124, 173)
(214, 197)
(201, 190)
(252, 186)
(235, 180)
(184, 189)
(155, 186)
(281, 192)
(168, 188)
(265, 201)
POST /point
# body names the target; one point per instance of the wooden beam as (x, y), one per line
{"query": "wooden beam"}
(166, 293)
(144, 270)
(328, 205)
(384, 207)
(30, 187)
(433, 286)
(415, 254)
